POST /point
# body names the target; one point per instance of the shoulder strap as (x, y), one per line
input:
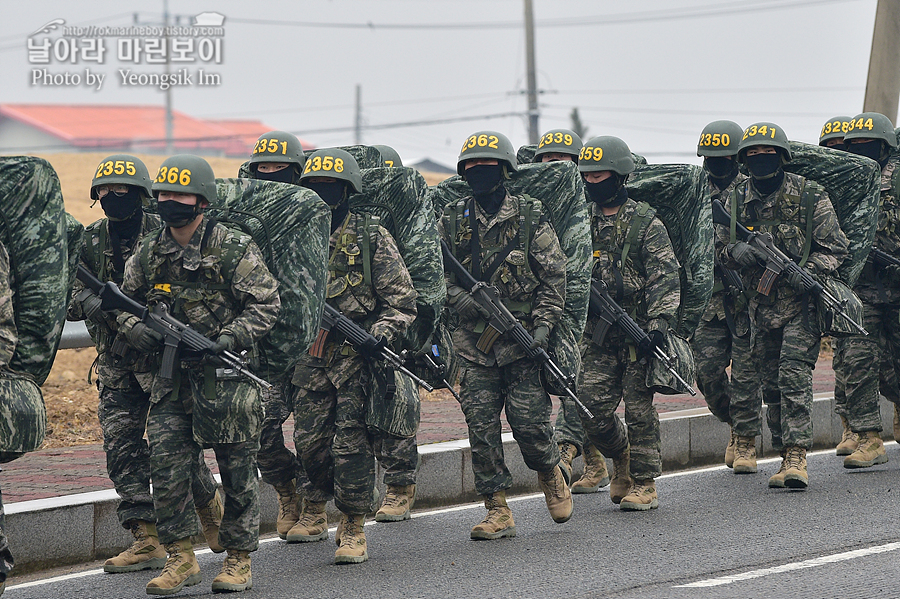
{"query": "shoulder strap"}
(643, 214)
(145, 252)
(809, 197)
(369, 227)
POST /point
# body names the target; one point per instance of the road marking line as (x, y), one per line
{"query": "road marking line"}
(810, 563)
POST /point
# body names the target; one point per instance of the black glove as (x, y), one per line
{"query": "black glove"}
(467, 307)
(541, 337)
(143, 338)
(744, 253)
(373, 346)
(647, 346)
(795, 279)
(891, 274)
(91, 308)
(225, 342)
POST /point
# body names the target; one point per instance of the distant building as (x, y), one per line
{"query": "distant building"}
(26, 128)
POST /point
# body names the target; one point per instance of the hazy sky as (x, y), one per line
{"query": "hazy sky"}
(652, 72)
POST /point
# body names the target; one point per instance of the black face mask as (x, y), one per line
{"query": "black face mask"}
(869, 149)
(486, 181)
(331, 193)
(122, 207)
(763, 166)
(175, 214)
(720, 166)
(285, 175)
(604, 192)
(129, 228)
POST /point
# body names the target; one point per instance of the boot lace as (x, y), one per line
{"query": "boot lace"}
(352, 529)
(794, 457)
(137, 531)
(232, 565)
(392, 498)
(742, 449)
(209, 513)
(552, 481)
(287, 505)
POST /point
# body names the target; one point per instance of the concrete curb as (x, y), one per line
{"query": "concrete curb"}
(87, 521)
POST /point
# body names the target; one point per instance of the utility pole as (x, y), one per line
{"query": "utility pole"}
(533, 114)
(357, 125)
(883, 82)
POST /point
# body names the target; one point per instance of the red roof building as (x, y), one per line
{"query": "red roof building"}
(68, 127)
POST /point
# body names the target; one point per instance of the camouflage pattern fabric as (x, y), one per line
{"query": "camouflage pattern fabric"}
(398, 456)
(538, 279)
(568, 427)
(277, 464)
(680, 195)
(6, 558)
(33, 227)
(183, 415)
(715, 310)
(366, 156)
(852, 183)
(331, 394)
(513, 387)
(290, 225)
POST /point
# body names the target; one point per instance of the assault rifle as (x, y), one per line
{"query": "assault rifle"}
(610, 313)
(438, 368)
(502, 321)
(730, 279)
(882, 258)
(778, 262)
(359, 338)
(175, 333)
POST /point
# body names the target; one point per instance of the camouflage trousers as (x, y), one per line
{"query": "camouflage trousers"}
(398, 456)
(610, 377)
(515, 388)
(173, 451)
(278, 465)
(790, 351)
(333, 441)
(568, 427)
(6, 558)
(865, 366)
(123, 419)
(735, 401)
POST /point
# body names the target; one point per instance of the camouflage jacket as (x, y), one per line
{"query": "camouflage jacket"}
(650, 288)
(887, 238)
(8, 335)
(385, 307)
(783, 206)
(716, 307)
(244, 302)
(532, 287)
(112, 371)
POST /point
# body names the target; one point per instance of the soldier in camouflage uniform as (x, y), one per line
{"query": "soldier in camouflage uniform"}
(723, 335)
(399, 456)
(215, 280)
(330, 393)
(634, 256)
(122, 185)
(785, 332)
(278, 156)
(485, 231)
(8, 340)
(872, 135)
(558, 145)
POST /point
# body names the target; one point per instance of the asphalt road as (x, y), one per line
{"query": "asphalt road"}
(714, 535)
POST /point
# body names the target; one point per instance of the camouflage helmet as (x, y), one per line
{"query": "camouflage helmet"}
(487, 144)
(764, 134)
(719, 138)
(834, 128)
(121, 169)
(871, 125)
(606, 153)
(562, 141)
(278, 146)
(389, 155)
(335, 163)
(185, 173)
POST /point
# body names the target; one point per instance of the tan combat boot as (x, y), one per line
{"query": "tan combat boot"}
(144, 554)
(398, 500)
(595, 473)
(729, 451)
(745, 455)
(567, 454)
(641, 497)
(557, 494)
(896, 423)
(499, 521)
(235, 574)
(796, 477)
(353, 540)
(776, 481)
(211, 518)
(288, 508)
(182, 570)
(849, 440)
(621, 482)
(869, 453)
(312, 525)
